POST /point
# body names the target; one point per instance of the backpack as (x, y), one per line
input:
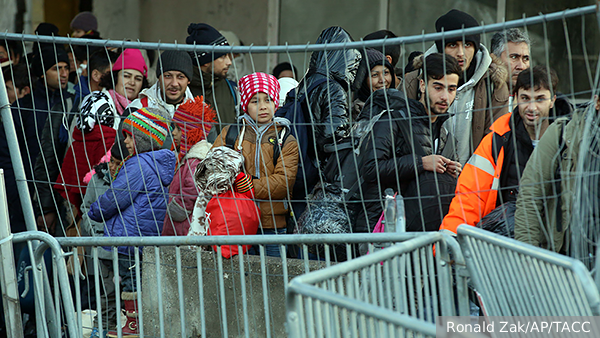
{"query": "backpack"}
(296, 111)
(333, 204)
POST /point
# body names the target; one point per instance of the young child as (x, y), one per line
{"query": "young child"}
(270, 153)
(136, 205)
(98, 182)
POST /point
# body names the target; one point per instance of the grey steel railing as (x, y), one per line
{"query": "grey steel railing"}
(518, 279)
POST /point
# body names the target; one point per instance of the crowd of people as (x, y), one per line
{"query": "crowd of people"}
(107, 153)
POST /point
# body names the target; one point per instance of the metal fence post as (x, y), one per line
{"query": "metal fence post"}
(15, 157)
(8, 276)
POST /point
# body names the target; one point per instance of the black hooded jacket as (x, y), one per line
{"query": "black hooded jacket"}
(389, 158)
(329, 102)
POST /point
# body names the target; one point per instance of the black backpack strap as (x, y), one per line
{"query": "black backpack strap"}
(232, 135)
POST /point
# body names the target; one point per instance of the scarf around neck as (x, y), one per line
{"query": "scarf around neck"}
(121, 102)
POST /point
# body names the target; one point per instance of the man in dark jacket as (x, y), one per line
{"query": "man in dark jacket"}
(210, 75)
(30, 117)
(391, 161)
(52, 145)
(482, 96)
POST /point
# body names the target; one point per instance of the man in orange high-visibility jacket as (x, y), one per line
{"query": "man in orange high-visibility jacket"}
(491, 176)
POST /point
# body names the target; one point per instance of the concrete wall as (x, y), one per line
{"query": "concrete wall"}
(7, 15)
(212, 302)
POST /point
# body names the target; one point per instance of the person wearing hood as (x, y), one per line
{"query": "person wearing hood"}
(331, 76)
(260, 135)
(482, 96)
(491, 177)
(379, 75)
(210, 75)
(136, 204)
(390, 161)
(174, 72)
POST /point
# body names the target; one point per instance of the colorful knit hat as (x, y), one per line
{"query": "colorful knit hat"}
(149, 128)
(256, 83)
(131, 59)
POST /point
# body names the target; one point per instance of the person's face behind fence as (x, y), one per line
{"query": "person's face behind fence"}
(516, 57)
(440, 93)
(380, 78)
(462, 52)
(220, 66)
(261, 108)
(15, 93)
(173, 84)
(57, 76)
(129, 83)
(534, 105)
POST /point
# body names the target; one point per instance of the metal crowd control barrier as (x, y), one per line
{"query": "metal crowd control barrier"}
(242, 297)
(393, 292)
(517, 279)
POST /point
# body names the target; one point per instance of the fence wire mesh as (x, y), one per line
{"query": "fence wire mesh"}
(450, 133)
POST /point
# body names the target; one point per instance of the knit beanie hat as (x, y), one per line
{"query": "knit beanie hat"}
(46, 57)
(255, 83)
(175, 60)
(131, 59)
(455, 20)
(373, 58)
(204, 34)
(86, 21)
(119, 149)
(148, 127)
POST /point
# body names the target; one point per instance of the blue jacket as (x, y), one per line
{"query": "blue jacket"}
(136, 204)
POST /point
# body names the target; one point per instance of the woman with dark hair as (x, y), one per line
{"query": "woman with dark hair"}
(100, 115)
(379, 75)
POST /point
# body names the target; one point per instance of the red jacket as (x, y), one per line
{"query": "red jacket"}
(84, 153)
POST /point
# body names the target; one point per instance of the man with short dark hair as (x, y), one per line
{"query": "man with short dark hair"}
(100, 63)
(210, 75)
(31, 116)
(174, 72)
(492, 175)
(393, 163)
(512, 47)
(553, 210)
(17, 82)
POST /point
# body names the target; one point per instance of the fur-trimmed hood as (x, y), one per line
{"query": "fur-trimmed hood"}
(497, 71)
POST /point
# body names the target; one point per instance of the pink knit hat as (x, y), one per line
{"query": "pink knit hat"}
(131, 59)
(256, 83)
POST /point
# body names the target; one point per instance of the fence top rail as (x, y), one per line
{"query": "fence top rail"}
(541, 18)
(229, 240)
(519, 247)
(367, 260)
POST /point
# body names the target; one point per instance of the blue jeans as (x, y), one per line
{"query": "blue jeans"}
(127, 273)
(273, 250)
